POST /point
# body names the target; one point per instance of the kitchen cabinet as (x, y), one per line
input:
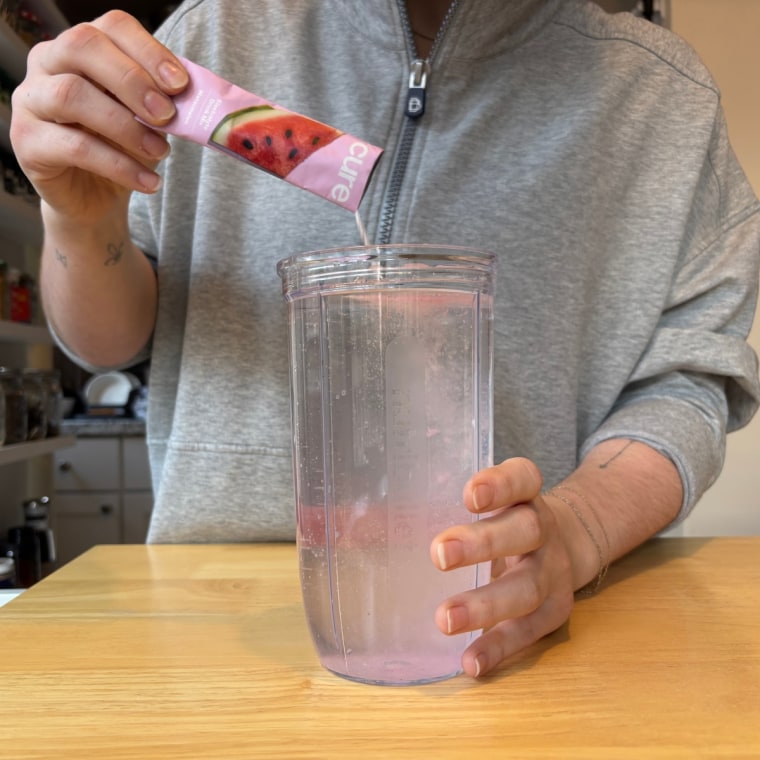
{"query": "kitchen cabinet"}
(83, 520)
(102, 494)
(100, 486)
(25, 468)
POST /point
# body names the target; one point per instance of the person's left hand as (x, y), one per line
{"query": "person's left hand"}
(532, 584)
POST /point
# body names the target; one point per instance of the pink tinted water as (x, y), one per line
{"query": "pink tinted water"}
(371, 590)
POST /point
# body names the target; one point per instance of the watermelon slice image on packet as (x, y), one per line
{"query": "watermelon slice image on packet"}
(307, 153)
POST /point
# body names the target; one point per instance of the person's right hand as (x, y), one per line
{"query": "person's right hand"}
(73, 125)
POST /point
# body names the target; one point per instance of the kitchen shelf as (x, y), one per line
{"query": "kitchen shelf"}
(20, 219)
(19, 332)
(20, 452)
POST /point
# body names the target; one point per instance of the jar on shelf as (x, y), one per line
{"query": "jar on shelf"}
(51, 379)
(36, 404)
(16, 423)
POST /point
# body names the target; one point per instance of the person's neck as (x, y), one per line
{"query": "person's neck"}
(426, 17)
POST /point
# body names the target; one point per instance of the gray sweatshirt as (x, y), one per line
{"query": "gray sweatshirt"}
(588, 151)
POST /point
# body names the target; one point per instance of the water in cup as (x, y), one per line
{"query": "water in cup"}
(391, 366)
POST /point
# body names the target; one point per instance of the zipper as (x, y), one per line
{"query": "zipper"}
(416, 95)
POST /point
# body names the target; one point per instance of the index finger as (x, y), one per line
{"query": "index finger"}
(514, 481)
(140, 45)
(120, 56)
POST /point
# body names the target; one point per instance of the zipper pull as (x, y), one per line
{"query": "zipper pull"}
(415, 95)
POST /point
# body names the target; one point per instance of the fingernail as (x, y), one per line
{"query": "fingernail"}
(150, 181)
(481, 662)
(158, 105)
(456, 619)
(172, 75)
(450, 553)
(482, 497)
(155, 146)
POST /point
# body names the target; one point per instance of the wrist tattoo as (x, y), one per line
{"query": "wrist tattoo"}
(605, 465)
(61, 259)
(115, 252)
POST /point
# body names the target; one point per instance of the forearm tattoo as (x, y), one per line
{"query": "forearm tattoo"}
(605, 465)
(115, 252)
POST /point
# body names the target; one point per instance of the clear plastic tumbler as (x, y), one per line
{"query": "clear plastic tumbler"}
(391, 391)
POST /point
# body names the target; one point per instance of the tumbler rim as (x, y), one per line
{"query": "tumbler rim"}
(341, 268)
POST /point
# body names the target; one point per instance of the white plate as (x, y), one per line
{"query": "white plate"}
(110, 389)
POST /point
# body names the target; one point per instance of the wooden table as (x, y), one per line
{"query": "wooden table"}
(202, 652)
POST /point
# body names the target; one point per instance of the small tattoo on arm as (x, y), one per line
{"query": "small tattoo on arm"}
(605, 465)
(115, 252)
(63, 260)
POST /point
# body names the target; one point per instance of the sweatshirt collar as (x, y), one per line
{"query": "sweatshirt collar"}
(479, 28)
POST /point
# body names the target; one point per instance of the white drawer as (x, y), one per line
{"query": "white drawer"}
(83, 520)
(91, 465)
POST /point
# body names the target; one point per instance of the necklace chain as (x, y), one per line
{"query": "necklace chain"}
(423, 36)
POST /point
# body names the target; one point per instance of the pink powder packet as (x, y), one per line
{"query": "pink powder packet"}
(302, 151)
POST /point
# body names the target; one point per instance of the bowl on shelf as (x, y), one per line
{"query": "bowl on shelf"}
(109, 389)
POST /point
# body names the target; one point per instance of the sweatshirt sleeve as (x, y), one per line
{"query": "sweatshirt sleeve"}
(698, 378)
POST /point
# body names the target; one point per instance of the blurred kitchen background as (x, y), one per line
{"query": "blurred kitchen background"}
(150, 12)
(86, 481)
(67, 484)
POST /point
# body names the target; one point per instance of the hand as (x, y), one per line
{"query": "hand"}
(73, 127)
(531, 588)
